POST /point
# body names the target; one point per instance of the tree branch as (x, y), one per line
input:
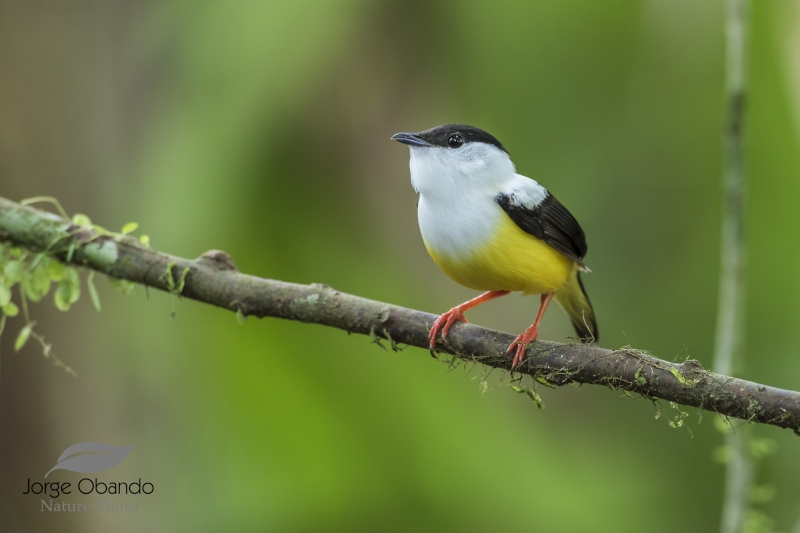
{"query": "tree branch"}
(214, 279)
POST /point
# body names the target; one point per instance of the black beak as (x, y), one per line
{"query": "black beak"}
(410, 139)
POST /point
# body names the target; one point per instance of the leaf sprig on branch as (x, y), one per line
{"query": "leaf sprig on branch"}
(31, 276)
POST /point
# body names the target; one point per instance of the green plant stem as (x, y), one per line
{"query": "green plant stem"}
(730, 312)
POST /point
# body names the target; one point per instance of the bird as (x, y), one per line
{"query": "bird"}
(493, 230)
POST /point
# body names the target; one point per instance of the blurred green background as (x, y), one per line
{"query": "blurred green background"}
(262, 128)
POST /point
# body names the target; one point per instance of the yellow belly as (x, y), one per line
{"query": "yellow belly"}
(512, 260)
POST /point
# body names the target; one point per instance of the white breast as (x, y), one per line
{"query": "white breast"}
(458, 212)
(460, 226)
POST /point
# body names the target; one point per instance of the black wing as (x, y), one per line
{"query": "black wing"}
(548, 221)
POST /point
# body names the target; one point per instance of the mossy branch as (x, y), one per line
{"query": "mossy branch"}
(214, 279)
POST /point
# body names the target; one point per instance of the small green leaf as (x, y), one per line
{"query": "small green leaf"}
(81, 220)
(13, 271)
(122, 285)
(36, 284)
(130, 227)
(5, 295)
(144, 239)
(40, 281)
(56, 270)
(10, 309)
(68, 290)
(23, 337)
(93, 291)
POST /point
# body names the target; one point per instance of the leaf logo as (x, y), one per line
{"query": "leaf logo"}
(91, 457)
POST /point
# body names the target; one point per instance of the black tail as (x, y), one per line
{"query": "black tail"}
(573, 299)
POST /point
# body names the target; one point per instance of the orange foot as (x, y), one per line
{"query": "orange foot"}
(443, 324)
(521, 342)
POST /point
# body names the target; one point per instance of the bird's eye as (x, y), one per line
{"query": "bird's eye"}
(455, 140)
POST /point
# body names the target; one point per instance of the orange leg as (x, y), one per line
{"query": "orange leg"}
(444, 322)
(522, 341)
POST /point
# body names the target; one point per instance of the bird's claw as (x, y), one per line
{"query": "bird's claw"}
(521, 343)
(443, 324)
(519, 356)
